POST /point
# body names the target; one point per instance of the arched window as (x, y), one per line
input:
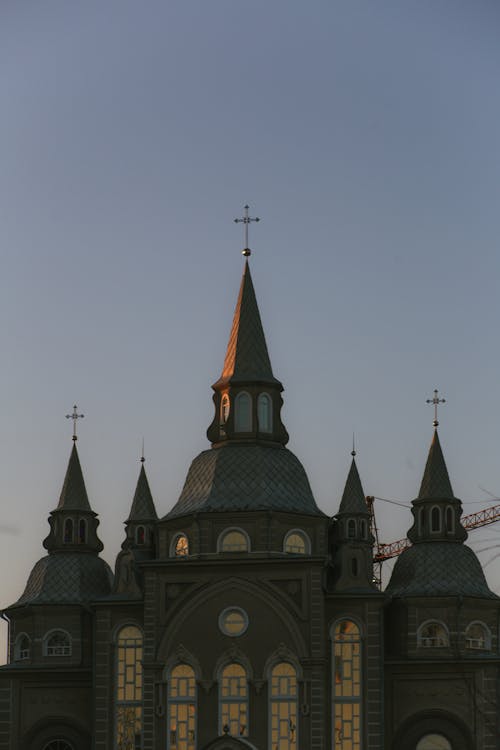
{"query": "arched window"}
(351, 528)
(477, 637)
(264, 412)
(243, 412)
(433, 634)
(57, 643)
(224, 408)
(363, 529)
(68, 531)
(433, 742)
(179, 546)
(234, 540)
(450, 524)
(22, 647)
(58, 745)
(182, 708)
(128, 689)
(297, 543)
(283, 707)
(346, 687)
(436, 519)
(82, 531)
(140, 535)
(233, 703)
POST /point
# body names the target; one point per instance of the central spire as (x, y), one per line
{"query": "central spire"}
(247, 395)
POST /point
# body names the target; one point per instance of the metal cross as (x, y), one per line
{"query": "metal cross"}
(74, 417)
(246, 221)
(436, 401)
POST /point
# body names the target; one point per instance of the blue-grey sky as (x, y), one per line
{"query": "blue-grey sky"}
(366, 137)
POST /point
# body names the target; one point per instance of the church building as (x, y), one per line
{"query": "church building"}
(243, 617)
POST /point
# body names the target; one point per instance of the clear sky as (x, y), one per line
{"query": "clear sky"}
(364, 134)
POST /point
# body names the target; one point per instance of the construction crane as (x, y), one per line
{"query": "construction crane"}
(393, 549)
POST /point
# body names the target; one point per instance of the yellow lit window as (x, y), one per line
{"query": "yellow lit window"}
(234, 541)
(129, 689)
(182, 708)
(346, 686)
(283, 707)
(234, 701)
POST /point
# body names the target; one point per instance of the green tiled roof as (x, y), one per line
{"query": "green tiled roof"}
(247, 358)
(246, 477)
(65, 578)
(353, 499)
(73, 493)
(435, 482)
(143, 507)
(438, 569)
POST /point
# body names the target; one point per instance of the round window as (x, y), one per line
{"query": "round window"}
(233, 621)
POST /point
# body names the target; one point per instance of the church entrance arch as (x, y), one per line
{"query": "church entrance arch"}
(435, 730)
(229, 743)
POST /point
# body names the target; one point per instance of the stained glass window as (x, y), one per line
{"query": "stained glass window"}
(283, 707)
(346, 686)
(129, 689)
(234, 701)
(182, 708)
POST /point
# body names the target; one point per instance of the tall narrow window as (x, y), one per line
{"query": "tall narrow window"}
(224, 409)
(82, 531)
(243, 412)
(264, 412)
(182, 708)
(435, 519)
(347, 686)
(234, 701)
(351, 528)
(450, 526)
(22, 647)
(140, 535)
(129, 689)
(68, 531)
(283, 707)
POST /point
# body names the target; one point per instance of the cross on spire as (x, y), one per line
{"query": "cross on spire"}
(74, 416)
(245, 220)
(436, 401)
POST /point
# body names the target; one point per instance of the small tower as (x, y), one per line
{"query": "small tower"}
(351, 538)
(140, 541)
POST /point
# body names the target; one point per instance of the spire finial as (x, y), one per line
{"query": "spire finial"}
(436, 401)
(245, 220)
(74, 417)
(353, 452)
(142, 452)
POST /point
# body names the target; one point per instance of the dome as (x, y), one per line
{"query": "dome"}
(438, 569)
(243, 478)
(65, 578)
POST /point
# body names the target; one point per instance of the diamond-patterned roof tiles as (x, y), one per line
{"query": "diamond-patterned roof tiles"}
(438, 569)
(67, 578)
(247, 358)
(73, 493)
(353, 499)
(246, 477)
(143, 507)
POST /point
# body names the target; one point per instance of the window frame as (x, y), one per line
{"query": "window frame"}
(421, 638)
(173, 545)
(18, 651)
(487, 637)
(232, 700)
(305, 539)
(243, 417)
(50, 634)
(124, 703)
(355, 700)
(176, 701)
(229, 530)
(282, 699)
(265, 413)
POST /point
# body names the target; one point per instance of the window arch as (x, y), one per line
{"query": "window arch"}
(283, 707)
(22, 647)
(225, 406)
(57, 643)
(68, 531)
(433, 634)
(264, 412)
(450, 520)
(181, 708)
(140, 535)
(233, 701)
(436, 519)
(351, 528)
(297, 543)
(477, 636)
(243, 412)
(128, 688)
(179, 546)
(82, 531)
(433, 742)
(234, 540)
(346, 688)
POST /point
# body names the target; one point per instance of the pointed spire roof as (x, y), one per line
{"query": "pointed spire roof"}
(247, 358)
(435, 482)
(73, 493)
(143, 507)
(353, 499)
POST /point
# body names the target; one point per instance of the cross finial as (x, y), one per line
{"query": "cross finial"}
(245, 220)
(74, 417)
(436, 401)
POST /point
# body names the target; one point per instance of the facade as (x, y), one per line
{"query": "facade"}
(247, 618)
